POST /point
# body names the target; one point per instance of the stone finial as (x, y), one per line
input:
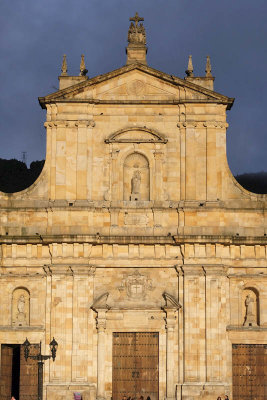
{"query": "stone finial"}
(64, 67)
(136, 50)
(190, 69)
(208, 68)
(137, 33)
(83, 70)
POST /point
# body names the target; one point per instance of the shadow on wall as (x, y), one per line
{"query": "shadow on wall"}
(15, 176)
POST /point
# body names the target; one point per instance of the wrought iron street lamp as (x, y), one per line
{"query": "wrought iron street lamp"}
(40, 358)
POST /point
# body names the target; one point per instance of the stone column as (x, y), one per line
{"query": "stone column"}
(114, 178)
(158, 179)
(170, 309)
(170, 324)
(101, 327)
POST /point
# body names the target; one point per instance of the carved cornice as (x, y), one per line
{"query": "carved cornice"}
(203, 124)
(84, 124)
(215, 270)
(70, 124)
(239, 328)
(9, 328)
(193, 270)
(59, 269)
(67, 94)
(116, 239)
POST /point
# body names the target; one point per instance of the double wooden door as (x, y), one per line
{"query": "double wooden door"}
(18, 378)
(135, 365)
(249, 371)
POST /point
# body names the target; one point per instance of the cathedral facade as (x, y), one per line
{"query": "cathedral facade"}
(136, 249)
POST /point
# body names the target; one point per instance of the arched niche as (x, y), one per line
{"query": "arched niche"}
(136, 178)
(21, 307)
(250, 307)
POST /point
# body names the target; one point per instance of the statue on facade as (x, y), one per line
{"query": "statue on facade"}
(21, 304)
(135, 183)
(136, 33)
(135, 186)
(250, 317)
(21, 316)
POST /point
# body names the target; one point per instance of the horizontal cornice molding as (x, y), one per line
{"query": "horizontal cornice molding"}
(169, 239)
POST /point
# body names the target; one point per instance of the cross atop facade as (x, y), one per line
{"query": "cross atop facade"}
(136, 19)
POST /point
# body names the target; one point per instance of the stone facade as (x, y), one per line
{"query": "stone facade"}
(135, 224)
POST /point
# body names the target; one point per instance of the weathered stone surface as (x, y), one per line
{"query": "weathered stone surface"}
(78, 234)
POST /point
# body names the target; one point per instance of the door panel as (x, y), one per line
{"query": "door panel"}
(147, 364)
(28, 375)
(135, 365)
(6, 372)
(249, 372)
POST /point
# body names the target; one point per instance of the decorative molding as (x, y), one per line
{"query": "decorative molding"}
(152, 136)
(171, 302)
(240, 328)
(101, 303)
(7, 328)
(193, 270)
(84, 124)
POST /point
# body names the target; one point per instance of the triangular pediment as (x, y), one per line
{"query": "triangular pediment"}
(135, 83)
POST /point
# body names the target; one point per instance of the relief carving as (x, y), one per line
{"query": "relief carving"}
(136, 286)
(136, 33)
(136, 88)
(135, 219)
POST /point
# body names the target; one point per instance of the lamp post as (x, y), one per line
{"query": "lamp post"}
(40, 358)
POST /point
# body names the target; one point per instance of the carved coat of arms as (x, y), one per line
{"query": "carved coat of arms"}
(136, 286)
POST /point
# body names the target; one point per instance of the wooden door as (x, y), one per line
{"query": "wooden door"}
(28, 383)
(135, 365)
(249, 372)
(6, 372)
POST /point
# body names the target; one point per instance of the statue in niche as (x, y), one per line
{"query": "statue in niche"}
(135, 186)
(21, 310)
(250, 317)
(136, 178)
(20, 307)
(21, 304)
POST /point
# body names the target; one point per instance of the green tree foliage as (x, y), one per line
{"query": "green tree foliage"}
(254, 182)
(15, 176)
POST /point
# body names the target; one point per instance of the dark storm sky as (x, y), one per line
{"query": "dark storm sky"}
(34, 34)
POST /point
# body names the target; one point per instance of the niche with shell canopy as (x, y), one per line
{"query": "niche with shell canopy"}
(21, 307)
(136, 178)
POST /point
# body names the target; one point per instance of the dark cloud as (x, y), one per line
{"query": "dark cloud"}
(36, 33)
